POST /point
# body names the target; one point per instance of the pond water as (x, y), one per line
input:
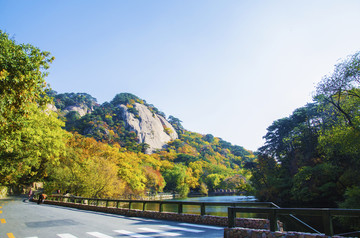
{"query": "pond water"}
(220, 199)
(216, 210)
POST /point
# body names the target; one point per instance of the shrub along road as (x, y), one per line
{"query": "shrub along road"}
(23, 219)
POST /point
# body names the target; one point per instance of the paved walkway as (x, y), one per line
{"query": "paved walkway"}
(20, 218)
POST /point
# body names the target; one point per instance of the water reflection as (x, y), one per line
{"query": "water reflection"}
(216, 210)
(220, 199)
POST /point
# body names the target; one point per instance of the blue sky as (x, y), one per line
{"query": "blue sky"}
(228, 68)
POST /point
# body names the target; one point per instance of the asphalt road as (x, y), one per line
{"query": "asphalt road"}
(22, 219)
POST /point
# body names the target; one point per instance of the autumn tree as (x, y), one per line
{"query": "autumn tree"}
(89, 169)
(22, 72)
(30, 135)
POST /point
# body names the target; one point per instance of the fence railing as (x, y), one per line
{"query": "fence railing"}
(274, 212)
(180, 204)
(269, 208)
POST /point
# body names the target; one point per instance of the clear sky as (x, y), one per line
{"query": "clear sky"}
(227, 68)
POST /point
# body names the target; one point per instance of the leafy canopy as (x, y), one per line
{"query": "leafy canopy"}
(22, 73)
(30, 136)
(312, 156)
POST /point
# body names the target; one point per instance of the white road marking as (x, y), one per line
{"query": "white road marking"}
(99, 235)
(141, 219)
(131, 234)
(146, 229)
(66, 235)
(159, 232)
(182, 229)
(202, 226)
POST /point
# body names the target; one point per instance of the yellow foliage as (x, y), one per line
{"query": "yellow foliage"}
(190, 179)
(167, 155)
(168, 130)
(167, 165)
(197, 168)
(189, 150)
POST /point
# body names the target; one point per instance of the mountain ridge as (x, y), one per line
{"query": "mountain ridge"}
(119, 120)
(151, 148)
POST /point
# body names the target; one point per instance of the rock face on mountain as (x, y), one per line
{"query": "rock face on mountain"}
(82, 103)
(151, 128)
(81, 109)
(51, 107)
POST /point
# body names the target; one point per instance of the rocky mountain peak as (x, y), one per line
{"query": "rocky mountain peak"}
(150, 128)
(82, 103)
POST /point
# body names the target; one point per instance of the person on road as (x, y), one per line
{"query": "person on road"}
(30, 195)
(42, 198)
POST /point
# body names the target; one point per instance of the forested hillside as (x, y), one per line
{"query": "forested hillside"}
(88, 149)
(193, 161)
(312, 157)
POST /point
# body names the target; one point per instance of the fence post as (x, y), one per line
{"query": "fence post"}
(272, 219)
(180, 207)
(160, 207)
(117, 204)
(327, 222)
(144, 206)
(130, 205)
(231, 217)
(202, 208)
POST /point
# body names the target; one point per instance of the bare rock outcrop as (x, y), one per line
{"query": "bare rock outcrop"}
(81, 109)
(51, 107)
(150, 128)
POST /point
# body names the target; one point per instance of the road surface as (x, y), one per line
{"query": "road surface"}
(22, 219)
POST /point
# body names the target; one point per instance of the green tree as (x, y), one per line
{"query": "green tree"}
(22, 73)
(317, 185)
(213, 181)
(339, 94)
(125, 98)
(176, 180)
(352, 201)
(30, 135)
(265, 178)
(26, 152)
(341, 89)
(314, 152)
(291, 143)
(176, 123)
